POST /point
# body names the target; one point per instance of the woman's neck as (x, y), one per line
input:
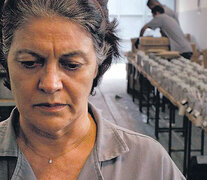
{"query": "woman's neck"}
(54, 144)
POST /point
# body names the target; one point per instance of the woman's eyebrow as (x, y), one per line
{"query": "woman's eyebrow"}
(26, 51)
(75, 54)
(67, 55)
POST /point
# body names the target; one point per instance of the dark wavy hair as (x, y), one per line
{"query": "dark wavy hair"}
(158, 9)
(92, 15)
(153, 3)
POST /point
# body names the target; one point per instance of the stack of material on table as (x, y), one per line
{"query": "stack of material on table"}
(183, 80)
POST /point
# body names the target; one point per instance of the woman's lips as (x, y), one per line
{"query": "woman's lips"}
(51, 107)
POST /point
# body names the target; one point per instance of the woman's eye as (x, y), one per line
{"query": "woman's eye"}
(31, 64)
(70, 65)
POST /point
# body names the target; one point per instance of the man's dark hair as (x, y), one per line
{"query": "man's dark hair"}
(150, 3)
(158, 9)
(153, 3)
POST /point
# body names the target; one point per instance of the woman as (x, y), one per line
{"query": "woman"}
(55, 52)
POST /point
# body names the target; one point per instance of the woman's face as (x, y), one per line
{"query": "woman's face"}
(52, 65)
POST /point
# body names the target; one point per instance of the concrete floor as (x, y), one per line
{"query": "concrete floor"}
(118, 107)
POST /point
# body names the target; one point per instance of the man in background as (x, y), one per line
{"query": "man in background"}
(171, 29)
(152, 3)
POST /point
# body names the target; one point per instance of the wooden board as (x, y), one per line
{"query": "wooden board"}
(169, 54)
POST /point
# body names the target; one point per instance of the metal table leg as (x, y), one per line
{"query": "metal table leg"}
(148, 102)
(163, 103)
(202, 141)
(171, 120)
(128, 77)
(170, 130)
(133, 83)
(141, 92)
(157, 112)
(187, 146)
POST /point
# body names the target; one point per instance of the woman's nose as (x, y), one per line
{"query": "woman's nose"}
(50, 81)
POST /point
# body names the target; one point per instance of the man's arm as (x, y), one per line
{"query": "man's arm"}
(143, 30)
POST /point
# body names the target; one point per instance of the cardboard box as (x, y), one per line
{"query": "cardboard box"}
(154, 41)
(147, 43)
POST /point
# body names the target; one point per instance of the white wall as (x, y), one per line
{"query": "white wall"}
(131, 16)
(190, 5)
(193, 20)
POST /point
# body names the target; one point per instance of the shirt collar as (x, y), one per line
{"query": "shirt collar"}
(109, 141)
(7, 136)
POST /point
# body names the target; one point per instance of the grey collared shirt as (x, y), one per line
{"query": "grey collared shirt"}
(173, 31)
(119, 154)
(170, 13)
